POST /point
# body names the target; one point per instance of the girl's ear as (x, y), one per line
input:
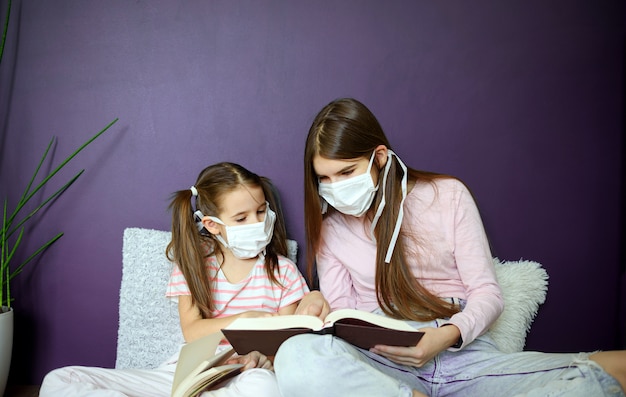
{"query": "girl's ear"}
(380, 156)
(210, 225)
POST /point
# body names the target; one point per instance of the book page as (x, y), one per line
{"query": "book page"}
(277, 322)
(376, 319)
(193, 386)
(200, 351)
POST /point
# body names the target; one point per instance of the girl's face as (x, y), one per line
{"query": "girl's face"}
(244, 223)
(242, 206)
(331, 171)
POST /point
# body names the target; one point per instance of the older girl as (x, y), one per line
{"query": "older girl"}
(410, 244)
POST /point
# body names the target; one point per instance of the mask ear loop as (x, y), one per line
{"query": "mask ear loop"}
(216, 220)
(382, 203)
(396, 230)
(267, 217)
(323, 205)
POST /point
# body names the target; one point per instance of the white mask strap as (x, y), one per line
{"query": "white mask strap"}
(217, 220)
(217, 236)
(396, 230)
(381, 206)
(369, 166)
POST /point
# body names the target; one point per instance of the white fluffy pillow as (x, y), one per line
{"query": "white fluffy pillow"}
(524, 287)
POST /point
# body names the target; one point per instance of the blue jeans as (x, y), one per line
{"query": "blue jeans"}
(322, 365)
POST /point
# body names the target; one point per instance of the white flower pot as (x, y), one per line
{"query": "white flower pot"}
(6, 345)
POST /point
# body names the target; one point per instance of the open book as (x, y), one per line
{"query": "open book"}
(199, 368)
(360, 328)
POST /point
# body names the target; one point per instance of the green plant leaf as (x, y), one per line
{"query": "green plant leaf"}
(46, 201)
(18, 269)
(9, 227)
(11, 251)
(4, 32)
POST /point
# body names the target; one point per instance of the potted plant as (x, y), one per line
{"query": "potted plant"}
(11, 235)
(14, 220)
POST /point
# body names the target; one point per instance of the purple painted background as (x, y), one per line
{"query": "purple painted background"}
(524, 100)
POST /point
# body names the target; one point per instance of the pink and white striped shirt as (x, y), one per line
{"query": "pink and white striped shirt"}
(255, 292)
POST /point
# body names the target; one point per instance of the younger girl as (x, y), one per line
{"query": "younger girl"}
(236, 265)
(229, 248)
(410, 244)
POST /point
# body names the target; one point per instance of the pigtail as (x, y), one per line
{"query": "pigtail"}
(278, 244)
(280, 229)
(188, 250)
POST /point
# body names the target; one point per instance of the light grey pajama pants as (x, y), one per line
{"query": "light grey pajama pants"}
(75, 381)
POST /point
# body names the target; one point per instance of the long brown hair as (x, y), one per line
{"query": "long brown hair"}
(189, 247)
(343, 130)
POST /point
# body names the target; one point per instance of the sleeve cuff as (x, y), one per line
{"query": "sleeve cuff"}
(459, 341)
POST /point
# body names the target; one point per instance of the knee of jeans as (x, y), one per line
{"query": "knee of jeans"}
(300, 356)
(295, 350)
(302, 365)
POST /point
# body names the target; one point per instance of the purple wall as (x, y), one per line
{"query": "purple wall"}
(523, 100)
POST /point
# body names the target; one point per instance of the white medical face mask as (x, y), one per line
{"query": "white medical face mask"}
(248, 241)
(352, 196)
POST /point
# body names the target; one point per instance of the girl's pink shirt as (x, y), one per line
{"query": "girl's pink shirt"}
(454, 256)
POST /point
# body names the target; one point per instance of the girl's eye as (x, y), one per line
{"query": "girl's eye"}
(261, 211)
(239, 220)
(348, 172)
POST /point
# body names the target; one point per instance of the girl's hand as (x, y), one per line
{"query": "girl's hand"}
(252, 360)
(434, 341)
(314, 304)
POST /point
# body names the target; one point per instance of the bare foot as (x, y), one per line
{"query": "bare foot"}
(418, 394)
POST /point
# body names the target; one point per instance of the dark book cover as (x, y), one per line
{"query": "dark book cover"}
(356, 332)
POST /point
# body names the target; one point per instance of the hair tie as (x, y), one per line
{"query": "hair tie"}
(198, 215)
(194, 191)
